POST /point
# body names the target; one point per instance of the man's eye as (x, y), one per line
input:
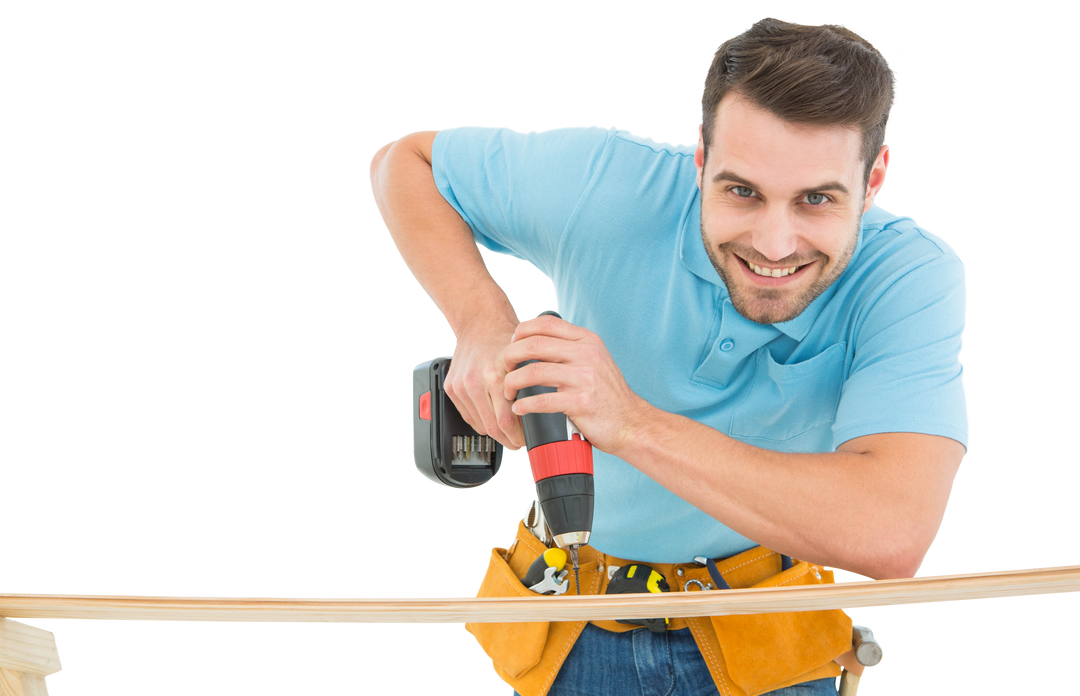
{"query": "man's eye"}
(820, 198)
(743, 191)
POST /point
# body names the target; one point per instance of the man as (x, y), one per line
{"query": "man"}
(758, 354)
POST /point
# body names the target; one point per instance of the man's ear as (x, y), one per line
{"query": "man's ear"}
(878, 176)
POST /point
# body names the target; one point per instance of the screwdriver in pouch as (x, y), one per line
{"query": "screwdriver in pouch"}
(561, 461)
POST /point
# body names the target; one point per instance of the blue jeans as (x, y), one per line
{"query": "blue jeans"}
(603, 663)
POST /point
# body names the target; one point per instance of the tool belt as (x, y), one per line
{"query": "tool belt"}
(746, 655)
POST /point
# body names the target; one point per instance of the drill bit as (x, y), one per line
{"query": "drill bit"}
(574, 560)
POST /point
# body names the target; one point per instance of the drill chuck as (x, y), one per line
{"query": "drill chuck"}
(567, 501)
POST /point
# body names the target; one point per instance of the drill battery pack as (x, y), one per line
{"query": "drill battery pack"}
(446, 449)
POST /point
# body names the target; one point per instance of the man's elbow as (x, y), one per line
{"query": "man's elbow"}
(896, 568)
(909, 561)
(898, 573)
(376, 162)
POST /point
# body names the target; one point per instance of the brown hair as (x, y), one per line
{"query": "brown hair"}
(823, 75)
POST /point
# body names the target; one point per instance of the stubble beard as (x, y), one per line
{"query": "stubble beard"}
(775, 305)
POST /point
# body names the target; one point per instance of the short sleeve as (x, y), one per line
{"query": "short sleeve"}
(905, 374)
(517, 191)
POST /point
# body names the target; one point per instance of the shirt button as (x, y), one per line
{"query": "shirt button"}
(727, 345)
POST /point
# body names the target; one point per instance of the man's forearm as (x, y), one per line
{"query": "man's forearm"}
(872, 507)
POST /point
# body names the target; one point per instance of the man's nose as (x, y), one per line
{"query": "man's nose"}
(775, 242)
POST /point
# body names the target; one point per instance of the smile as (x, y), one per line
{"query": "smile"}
(771, 277)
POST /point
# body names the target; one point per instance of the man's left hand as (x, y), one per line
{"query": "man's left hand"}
(591, 389)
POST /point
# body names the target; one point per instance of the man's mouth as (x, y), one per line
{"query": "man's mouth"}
(768, 272)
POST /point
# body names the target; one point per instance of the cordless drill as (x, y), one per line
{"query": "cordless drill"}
(450, 452)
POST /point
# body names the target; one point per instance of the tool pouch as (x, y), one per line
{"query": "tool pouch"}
(749, 655)
(527, 656)
(764, 652)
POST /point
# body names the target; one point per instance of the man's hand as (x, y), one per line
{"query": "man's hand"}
(475, 385)
(591, 389)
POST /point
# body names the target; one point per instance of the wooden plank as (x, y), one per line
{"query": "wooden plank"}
(29, 648)
(715, 603)
(14, 683)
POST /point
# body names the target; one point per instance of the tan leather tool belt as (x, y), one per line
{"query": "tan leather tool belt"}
(747, 655)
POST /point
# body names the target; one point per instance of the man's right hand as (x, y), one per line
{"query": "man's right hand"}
(475, 384)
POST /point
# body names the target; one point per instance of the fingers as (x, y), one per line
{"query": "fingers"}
(507, 423)
(496, 415)
(480, 401)
(455, 389)
(475, 382)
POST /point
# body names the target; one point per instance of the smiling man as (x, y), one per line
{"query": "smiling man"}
(765, 362)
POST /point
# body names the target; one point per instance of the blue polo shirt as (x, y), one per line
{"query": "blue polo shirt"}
(614, 221)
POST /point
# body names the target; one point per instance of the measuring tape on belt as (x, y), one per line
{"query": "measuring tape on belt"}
(635, 578)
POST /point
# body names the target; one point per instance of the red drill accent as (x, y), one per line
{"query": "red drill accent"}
(425, 406)
(558, 458)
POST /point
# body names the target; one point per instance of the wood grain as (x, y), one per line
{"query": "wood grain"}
(713, 603)
(27, 649)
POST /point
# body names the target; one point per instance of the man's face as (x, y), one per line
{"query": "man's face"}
(781, 206)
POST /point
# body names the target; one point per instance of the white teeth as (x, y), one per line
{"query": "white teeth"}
(772, 272)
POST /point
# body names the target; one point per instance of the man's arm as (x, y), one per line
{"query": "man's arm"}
(432, 240)
(873, 507)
